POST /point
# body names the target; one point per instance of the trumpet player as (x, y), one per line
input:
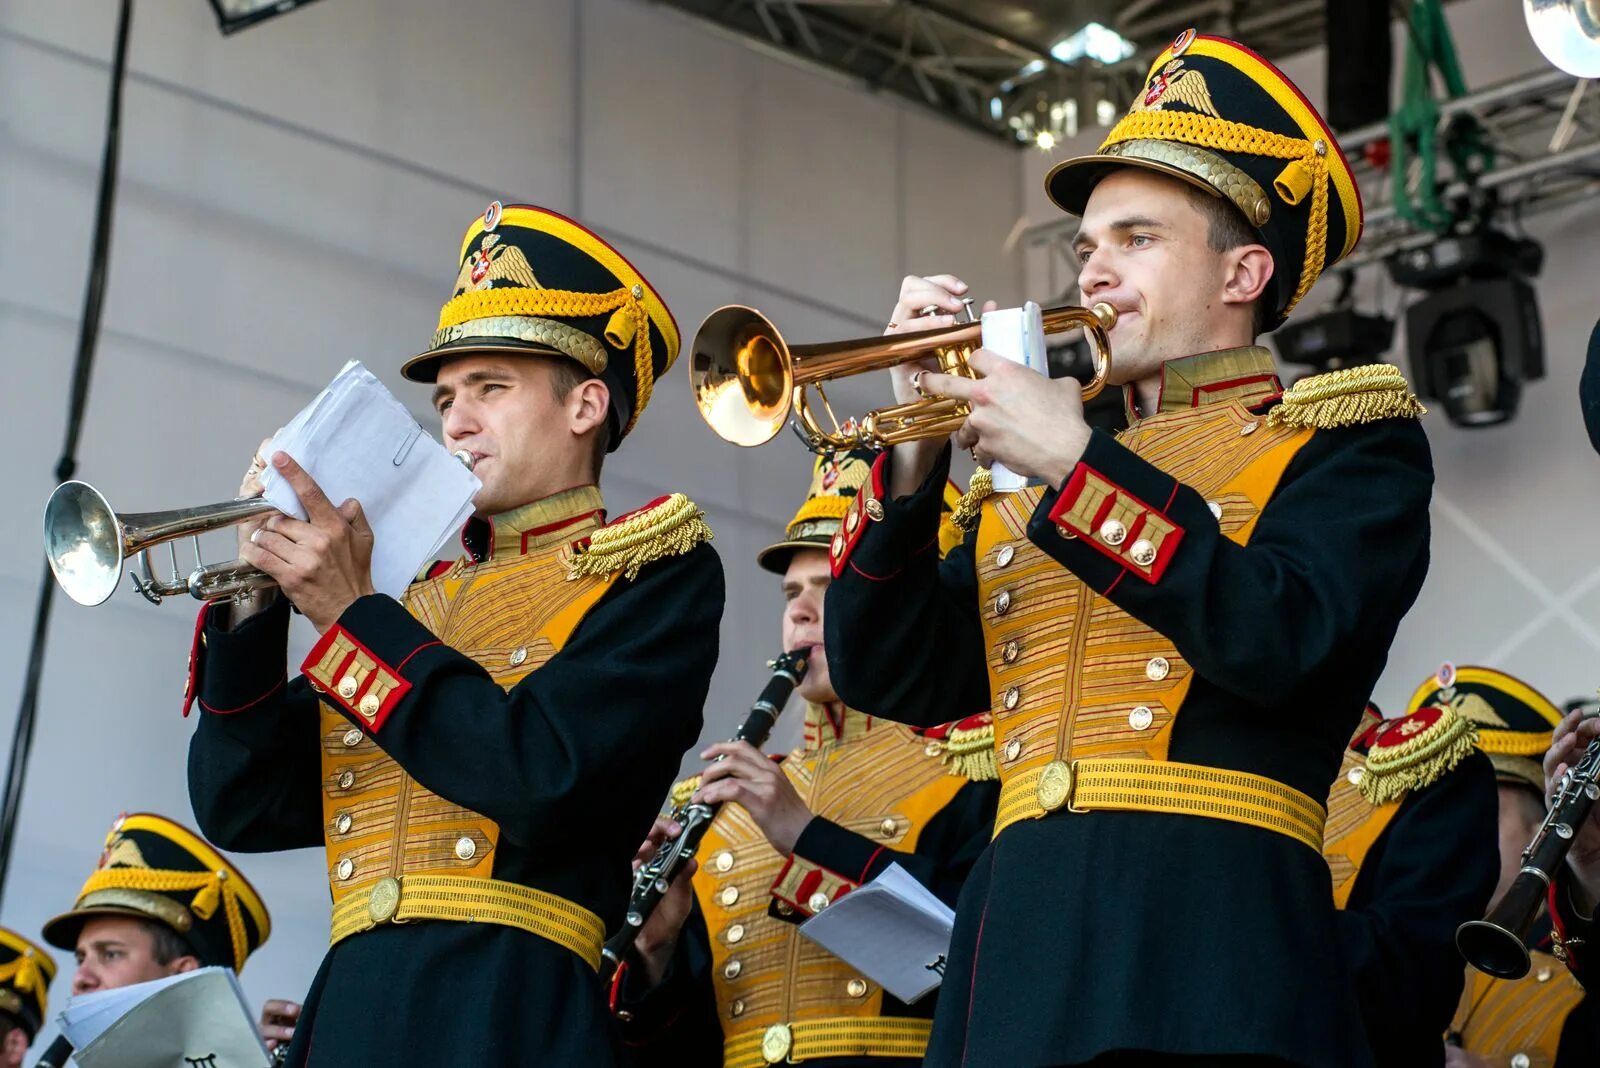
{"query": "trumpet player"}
(1176, 628)
(481, 758)
(720, 974)
(1576, 896)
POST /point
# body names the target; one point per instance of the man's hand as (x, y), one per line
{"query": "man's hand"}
(1032, 424)
(256, 600)
(323, 563)
(1572, 737)
(747, 778)
(659, 936)
(277, 1022)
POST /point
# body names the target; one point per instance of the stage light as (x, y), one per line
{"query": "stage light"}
(1097, 42)
(1339, 338)
(236, 15)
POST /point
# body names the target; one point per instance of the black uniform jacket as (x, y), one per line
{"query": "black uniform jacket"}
(1082, 933)
(570, 763)
(1579, 933)
(1545, 1018)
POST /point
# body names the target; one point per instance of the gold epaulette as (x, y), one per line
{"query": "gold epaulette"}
(1347, 397)
(1416, 751)
(681, 791)
(968, 509)
(967, 747)
(668, 526)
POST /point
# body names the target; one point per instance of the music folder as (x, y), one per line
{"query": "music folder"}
(893, 930)
(197, 1019)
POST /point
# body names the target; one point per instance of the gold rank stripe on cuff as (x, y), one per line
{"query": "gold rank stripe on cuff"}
(466, 900)
(1110, 785)
(809, 887)
(828, 1036)
(1134, 534)
(345, 671)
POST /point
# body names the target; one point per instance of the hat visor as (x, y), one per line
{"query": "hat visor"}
(62, 932)
(424, 367)
(775, 558)
(1070, 182)
(1518, 771)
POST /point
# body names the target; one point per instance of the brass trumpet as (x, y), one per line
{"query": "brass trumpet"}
(747, 380)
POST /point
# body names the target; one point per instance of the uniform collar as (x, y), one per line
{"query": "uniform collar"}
(559, 519)
(825, 724)
(1248, 374)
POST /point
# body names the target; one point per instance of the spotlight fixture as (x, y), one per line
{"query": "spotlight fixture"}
(1097, 42)
(1339, 338)
(236, 15)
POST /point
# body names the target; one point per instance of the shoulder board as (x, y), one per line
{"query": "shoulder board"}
(667, 526)
(1367, 731)
(1415, 751)
(1347, 397)
(433, 570)
(681, 791)
(967, 745)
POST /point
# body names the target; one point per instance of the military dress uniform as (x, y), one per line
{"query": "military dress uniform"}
(1176, 644)
(1542, 1020)
(744, 987)
(152, 868)
(1412, 848)
(481, 759)
(26, 971)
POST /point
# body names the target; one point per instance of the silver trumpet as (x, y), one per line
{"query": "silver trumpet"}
(88, 544)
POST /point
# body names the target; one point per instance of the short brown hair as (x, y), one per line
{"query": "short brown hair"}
(1227, 229)
(567, 375)
(166, 944)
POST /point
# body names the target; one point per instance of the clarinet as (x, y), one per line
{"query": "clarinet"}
(1494, 944)
(56, 1056)
(651, 881)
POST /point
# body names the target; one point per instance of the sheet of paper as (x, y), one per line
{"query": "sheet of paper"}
(1018, 335)
(196, 1018)
(893, 930)
(356, 440)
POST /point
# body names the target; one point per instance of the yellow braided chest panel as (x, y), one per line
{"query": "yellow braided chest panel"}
(510, 616)
(1072, 675)
(1354, 826)
(1500, 1018)
(886, 785)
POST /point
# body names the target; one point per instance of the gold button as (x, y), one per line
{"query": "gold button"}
(817, 902)
(1543, 975)
(1262, 211)
(352, 738)
(341, 823)
(1355, 775)
(737, 1008)
(348, 687)
(1055, 785)
(1320, 147)
(1003, 557)
(889, 828)
(637, 291)
(347, 868)
(1013, 748)
(836, 546)
(856, 988)
(785, 909)
(1142, 553)
(723, 861)
(729, 895)
(874, 509)
(1157, 668)
(732, 969)
(1113, 532)
(933, 749)
(1521, 1060)
(736, 933)
(1008, 652)
(466, 848)
(347, 779)
(852, 519)
(1248, 428)
(1216, 509)
(776, 1043)
(1011, 697)
(369, 705)
(519, 655)
(1002, 603)
(1140, 718)
(384, 901)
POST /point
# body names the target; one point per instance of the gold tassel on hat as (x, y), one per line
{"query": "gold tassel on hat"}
(1418, 759)
(1353, 395)
(970, 507)
(670, 528)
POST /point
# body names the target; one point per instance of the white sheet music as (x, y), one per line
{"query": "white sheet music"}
(195, 1018)
(1018, 335)
(356, 440)
(893, 930)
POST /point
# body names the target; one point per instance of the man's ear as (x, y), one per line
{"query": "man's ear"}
(185, 963)
(588, 405)
(1249, 269)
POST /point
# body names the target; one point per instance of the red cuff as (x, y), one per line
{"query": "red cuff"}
(866, 508)
(809, 888)
(348, 674)
(191, 686)
(1136, 535)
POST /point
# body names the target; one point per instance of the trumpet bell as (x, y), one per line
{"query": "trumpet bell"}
(1567, 32)
(83, 542)
(742, 375)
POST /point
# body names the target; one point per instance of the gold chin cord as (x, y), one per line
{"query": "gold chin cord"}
(747, 380)
(87, 544)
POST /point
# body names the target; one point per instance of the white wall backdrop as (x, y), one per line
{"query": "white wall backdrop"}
(293, 197)
(1514, 582)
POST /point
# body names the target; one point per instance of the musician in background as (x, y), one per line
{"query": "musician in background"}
(726, 977)
(1576, 895)
(481, 759)
(26, 971)
(1411, 847)
(1176, 628)
(1542, 1018)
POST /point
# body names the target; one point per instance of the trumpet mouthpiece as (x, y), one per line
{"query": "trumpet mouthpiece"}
(465, 457)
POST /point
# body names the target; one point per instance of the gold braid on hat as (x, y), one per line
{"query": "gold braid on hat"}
(629, 321)
(214, 888)
(1204, 131)
(25, 975)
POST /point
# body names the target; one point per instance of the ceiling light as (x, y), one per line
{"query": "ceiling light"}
(1097, 42)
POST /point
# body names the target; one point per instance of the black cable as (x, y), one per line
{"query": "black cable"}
(82, 368)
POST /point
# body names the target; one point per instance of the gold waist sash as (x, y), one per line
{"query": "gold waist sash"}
(828, 1036)
(467, 900)
(1112, 785)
